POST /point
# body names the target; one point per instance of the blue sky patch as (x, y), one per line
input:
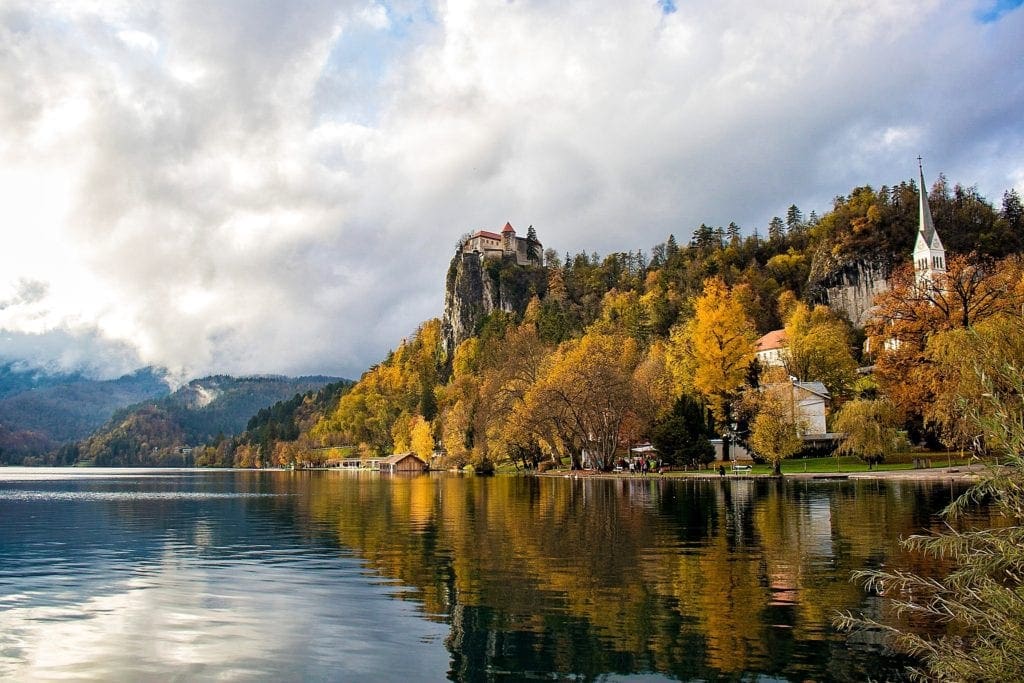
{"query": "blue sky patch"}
(995, 11)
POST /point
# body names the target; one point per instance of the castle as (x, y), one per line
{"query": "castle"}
(528, 251)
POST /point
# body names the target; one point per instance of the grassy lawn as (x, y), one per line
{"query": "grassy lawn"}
(841, 465)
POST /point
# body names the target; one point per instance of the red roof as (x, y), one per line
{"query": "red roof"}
(485, 233)
(776, 339)
(508, 228)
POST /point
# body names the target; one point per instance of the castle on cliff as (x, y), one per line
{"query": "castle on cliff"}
(528, 251)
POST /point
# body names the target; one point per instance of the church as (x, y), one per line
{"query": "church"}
(929, 254)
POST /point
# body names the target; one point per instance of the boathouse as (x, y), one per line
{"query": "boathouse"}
(403, 462)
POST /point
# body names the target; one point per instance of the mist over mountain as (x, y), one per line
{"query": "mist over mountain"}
(39, 411)
(162, 432)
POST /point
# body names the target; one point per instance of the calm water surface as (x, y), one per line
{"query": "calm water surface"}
(186, 575)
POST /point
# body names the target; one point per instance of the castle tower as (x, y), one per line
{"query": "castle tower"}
(508, 239)
(929, 254)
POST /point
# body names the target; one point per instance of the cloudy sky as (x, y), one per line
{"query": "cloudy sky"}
(272, 186)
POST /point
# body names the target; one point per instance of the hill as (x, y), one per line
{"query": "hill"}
(165, 431)
(40, 411)
(586, 354)
(280, 434)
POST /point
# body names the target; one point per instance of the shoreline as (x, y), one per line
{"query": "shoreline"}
(965, 473)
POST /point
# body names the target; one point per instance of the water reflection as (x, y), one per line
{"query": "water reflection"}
(341, 575)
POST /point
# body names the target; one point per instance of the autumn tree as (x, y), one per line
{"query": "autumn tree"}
(965, 360)
(775, 430)
(818, 348)
(586, 395)
(421, 440)
(970, 291)
(712, 352)
(870, 430)
(509, 368)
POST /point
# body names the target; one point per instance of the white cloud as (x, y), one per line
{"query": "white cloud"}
(249, 187)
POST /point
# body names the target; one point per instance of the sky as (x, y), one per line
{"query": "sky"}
(277, 187)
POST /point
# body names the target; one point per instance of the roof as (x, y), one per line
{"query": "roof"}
(776, 339)
(487, 233)
(398, 457)
(813, 387)
(925, 224)
(508, 228)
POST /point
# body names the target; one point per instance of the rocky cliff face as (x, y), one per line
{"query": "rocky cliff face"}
(849, 286)
(477, 287)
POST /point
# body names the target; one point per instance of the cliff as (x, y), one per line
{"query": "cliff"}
(476, 287)
(849, 285)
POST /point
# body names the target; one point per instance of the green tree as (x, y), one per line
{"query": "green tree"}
(682, 437)
(870, 430)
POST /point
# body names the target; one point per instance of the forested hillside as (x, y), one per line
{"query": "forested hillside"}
(167, 432)
(39, 411)
(620, 348)
(278, 435)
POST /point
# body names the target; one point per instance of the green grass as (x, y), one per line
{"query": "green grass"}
(842, 465)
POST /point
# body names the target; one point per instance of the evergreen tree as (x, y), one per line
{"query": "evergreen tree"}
(776, 229)
(682, 437)
(532, 244)
(671, 247)
(733, 233)
(794, 219)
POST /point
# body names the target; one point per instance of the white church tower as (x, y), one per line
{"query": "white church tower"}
(929, 254)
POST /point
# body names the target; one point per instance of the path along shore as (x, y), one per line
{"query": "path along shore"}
(967, 473)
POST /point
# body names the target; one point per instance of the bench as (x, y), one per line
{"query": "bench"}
(741, 468)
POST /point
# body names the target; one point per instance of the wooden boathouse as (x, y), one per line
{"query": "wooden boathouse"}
(403, 462)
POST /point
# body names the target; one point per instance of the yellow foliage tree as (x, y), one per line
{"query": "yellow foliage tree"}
(586, 396)
(971, 291)
(421, 438)
(775, 433)
(818, 348)
(716, 346)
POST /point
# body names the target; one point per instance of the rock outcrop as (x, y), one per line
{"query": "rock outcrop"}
(849, 286)
(476, 287)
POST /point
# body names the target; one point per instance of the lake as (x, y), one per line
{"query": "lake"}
(267, 575)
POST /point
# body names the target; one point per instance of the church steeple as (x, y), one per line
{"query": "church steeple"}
(929, 254)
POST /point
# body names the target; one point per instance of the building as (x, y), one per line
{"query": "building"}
(403, 462)
(810, 401)
(770, 349)
(929, 254)
(526, 250)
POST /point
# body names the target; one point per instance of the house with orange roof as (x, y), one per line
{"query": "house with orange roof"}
(770, 349)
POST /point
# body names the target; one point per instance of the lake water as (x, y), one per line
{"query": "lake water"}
(242, 575)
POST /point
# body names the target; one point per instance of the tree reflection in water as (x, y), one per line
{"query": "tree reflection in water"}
(688, 579)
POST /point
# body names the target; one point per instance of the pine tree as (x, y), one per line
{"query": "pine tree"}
(794, 219)
(671, 247)
(733, 233)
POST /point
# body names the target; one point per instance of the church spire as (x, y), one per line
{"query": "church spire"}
(926, 225)
(929, 254)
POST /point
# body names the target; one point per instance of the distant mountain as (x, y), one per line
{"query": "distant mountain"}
(278, 434)
(40, 411)
(162, 432)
